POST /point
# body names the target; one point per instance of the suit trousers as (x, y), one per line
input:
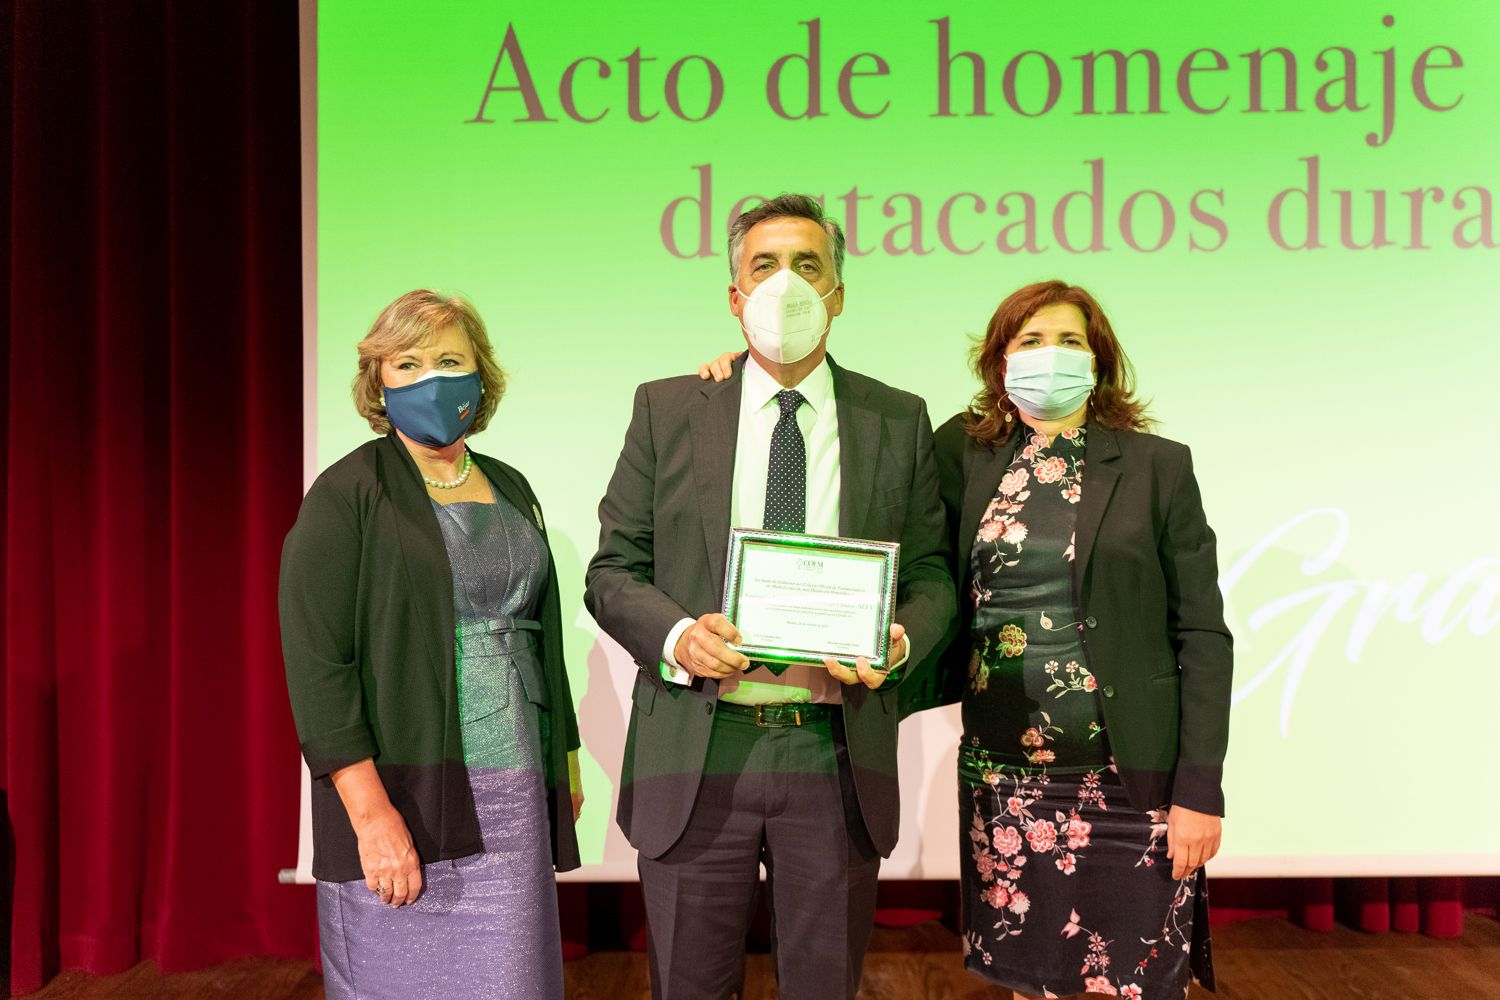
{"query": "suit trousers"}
(783, 798)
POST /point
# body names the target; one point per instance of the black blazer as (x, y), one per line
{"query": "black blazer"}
(663, 539)
(367, 633)
(1146, 587)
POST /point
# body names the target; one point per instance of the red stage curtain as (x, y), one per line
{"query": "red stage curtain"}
(153, 462)
(152, 454)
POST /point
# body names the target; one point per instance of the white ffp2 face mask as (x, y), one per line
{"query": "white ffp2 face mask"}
(785, 317)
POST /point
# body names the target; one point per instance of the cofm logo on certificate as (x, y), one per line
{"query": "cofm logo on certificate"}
(805, 598)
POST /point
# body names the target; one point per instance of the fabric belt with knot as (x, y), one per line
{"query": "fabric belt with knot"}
(504, 623)
(781, 715)
(519, 640)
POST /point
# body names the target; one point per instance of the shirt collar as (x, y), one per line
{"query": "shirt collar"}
(760, 388)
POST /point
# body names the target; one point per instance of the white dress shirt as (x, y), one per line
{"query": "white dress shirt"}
(818, 420)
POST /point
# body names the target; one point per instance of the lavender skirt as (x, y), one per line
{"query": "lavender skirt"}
(484, 926)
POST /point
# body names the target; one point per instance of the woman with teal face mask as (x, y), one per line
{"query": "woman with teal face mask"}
(1092, 662)
(422, 634)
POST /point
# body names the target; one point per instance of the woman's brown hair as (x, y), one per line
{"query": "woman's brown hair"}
(991, 418)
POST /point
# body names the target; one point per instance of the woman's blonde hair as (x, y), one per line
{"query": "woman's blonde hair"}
(411, 321)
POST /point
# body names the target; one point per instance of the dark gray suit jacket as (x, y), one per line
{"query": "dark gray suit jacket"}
(663, 541)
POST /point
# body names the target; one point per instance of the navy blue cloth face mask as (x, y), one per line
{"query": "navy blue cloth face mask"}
(437, 409)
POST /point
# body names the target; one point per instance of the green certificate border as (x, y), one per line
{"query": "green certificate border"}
(888, 552)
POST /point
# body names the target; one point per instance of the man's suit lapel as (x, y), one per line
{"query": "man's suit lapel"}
(860, 428)
(1100, 473)
(715, 424)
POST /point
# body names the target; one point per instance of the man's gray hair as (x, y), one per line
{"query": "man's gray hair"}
(785, 206)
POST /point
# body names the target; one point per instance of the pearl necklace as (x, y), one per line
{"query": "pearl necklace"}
(454, 484)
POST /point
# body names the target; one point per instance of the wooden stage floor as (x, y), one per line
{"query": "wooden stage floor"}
(1256, 960)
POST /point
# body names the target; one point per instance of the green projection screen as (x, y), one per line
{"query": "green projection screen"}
(1286, 208)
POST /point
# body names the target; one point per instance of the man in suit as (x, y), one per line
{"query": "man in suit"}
(729, 765)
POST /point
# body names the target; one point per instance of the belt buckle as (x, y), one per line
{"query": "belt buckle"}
(761, 723)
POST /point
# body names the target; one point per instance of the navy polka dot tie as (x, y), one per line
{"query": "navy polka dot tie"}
(786, 478)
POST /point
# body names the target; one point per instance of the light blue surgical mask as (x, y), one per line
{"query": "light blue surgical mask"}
(1047, 383)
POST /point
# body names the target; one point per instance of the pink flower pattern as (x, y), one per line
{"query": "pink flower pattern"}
(1074, 677)
(1052, 470)
(1002, 533)
(1001, 846)
(1000, 849)
(1041, 835)
(1078, 831)
(1001, 529)
(1097, 960)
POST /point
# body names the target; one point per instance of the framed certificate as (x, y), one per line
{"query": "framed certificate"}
(802, 598)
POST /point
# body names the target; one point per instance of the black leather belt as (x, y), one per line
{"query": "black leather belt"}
(782, 715)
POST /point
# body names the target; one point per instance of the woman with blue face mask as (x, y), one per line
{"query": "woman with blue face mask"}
(422, 635)
(1092, 663)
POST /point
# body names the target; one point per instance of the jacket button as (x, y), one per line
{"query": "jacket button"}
(708, 707)
(1109, 692)
(1091, 621)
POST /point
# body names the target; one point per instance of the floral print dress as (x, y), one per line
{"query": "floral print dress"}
(1066, 887)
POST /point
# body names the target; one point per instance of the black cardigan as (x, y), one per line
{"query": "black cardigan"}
(367, 633)
(1146, 590)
